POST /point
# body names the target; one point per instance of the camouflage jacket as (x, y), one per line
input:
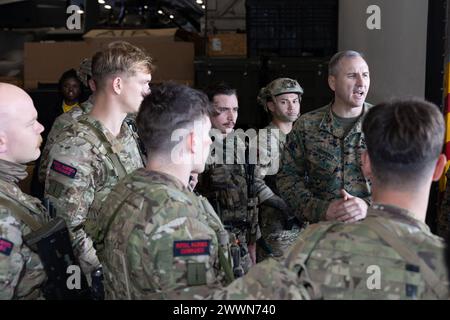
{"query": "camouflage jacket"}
(69, 118)
(267, 280)
(319, 160)
(62, 122)
(21, 271)
(231, 203)
(158, 240)
(356, 261)
(84, 164)
(270, 145)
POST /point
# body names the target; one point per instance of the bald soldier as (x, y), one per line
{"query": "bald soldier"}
(391, 254)
(21, 272)
(157, 239)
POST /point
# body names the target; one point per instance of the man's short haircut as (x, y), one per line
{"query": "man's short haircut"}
(169, 107)
(219, 88)
(119, 58)
(333, 65)
(404, 140)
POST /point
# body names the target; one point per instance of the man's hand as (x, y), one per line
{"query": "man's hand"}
(348, 209)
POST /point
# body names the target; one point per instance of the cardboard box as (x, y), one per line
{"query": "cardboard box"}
(174, 60)
(155, 34)
(227, 44)
(45, 62)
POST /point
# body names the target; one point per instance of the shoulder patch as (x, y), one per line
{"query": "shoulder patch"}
(63, 169)
(6, 246)
(191, 248)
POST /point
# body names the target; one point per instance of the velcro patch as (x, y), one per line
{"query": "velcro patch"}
(411, 291)
(6, 246)
(191, 248)
(64, 169)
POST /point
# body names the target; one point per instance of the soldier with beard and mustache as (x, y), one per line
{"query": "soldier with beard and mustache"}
(320, 174)
(281, 98)
(22, 274)
(233, 186)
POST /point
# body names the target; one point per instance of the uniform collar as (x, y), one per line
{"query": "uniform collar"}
(328, 123)
(164, 178)
(397, 213)
(12, 172)
(114, 141)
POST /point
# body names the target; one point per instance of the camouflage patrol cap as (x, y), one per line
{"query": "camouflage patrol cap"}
(84, 71)
(277, 87)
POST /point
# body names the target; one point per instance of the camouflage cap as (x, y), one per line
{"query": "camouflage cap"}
(84, 71)
(277, 87)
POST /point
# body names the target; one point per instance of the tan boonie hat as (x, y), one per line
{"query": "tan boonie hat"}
(277, 87)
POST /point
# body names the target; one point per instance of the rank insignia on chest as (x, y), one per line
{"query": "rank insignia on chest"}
(6, 246)
(64, 169)
(191, 248)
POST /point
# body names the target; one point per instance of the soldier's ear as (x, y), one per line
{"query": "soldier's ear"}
(191, 141)
(271, 106)
(92, 85)
(439, 169)
(117, 85)
(366, 166)
(332, 82)
(3, 142)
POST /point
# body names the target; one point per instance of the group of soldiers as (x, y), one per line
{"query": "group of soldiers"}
(164, 199)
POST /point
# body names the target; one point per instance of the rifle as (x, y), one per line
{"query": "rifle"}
(52, 244)
(252, 199)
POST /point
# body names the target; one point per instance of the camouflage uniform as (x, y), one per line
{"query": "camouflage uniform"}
(61, 123)
(319, 161)
(84, 164)
(339, 257)
(232, 202)
(158, 240)
(334, 260)
(21, 271)
(268, 280)
(271, 222)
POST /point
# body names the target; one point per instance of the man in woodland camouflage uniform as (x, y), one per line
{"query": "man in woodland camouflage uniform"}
(320, 175)
(94, 153)
(281, 98)
(156, 238)
(391, 254)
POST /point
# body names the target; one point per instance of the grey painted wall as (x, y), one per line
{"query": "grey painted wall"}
(396, 54)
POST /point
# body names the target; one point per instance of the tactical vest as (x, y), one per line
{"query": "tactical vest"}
(301, 251)
(233, 201)
(117, 259)
(115, 170)
(23, 214)
(131, 124)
